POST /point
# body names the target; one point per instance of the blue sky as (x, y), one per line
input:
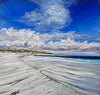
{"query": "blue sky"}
(78, 20)
(85, 15)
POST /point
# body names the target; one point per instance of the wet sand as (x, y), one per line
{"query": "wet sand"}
(31, 75)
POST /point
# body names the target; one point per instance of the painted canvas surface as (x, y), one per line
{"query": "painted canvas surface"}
(49, 47)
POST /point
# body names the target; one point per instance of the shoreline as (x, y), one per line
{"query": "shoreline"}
(45, 53)
(16, 76)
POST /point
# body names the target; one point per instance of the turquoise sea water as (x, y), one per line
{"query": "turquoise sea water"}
(82, 60)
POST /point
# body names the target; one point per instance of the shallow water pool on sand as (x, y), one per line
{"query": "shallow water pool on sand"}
(79, 73)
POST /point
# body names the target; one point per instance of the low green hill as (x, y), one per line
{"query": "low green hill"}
(23, 51)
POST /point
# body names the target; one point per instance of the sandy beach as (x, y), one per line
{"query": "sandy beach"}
(32, 75)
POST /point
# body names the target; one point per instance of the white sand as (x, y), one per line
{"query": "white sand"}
(31, 75)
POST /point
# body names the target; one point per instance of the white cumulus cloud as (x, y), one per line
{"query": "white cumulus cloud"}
(51, 15)
(27, 39)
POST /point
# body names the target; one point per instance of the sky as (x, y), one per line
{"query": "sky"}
(50, 24)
